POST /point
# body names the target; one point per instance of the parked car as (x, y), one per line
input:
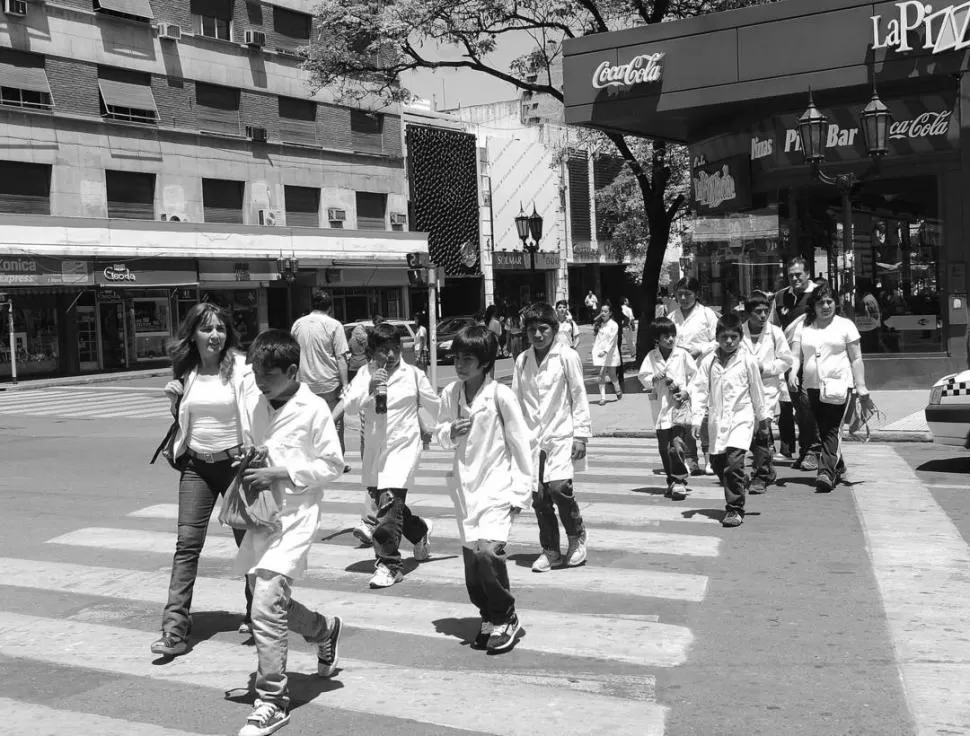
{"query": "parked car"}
(404, 328)
(445, 334)
(948, 413)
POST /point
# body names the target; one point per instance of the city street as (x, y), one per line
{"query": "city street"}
(823, 614)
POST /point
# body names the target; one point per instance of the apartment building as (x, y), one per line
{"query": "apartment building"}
(158, 152)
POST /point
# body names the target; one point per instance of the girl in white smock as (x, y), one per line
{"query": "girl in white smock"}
(606, 352)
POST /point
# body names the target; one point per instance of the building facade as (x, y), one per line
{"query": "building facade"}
(155, 153)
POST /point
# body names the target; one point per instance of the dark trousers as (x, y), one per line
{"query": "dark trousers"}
(786, 425)
(807, 426)
(394, 519)
(829, 417)
(690, 443)
(729, 467)
(550, 496)
(763, 450)
(673, 453)
(199, 486)
(487, 580)
(333, 398)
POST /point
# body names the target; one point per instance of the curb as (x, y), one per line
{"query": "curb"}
(877, 435)
(84, 380)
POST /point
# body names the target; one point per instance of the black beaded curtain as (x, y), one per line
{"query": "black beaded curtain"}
(444, 196)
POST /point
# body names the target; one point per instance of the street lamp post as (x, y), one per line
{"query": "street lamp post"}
(288, 268)
(526, 226)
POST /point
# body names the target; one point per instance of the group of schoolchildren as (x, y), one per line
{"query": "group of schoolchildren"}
(734, 388)
(514, 449)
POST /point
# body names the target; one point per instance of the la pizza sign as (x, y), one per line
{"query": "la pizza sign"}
(942, 30)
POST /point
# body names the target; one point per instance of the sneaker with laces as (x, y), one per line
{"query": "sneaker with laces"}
(484, 633)
(169, 645)
(549, 559)
(823, 484)
(732, 518)
(422, 550)
(670, 491)
(245, 628)
(708, 468)
(758, 486)
(503, 636)
(785, 450)
(265, 719)
(384, 578)
(576, 553)
(363, 534)
(809, 462)
(678, 491)
(328, 656)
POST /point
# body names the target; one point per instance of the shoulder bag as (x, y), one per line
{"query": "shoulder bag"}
(832, 390)
(166, 448)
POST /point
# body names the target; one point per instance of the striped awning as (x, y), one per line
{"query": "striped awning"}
(30, 78)
(134, 8)
(127, 94)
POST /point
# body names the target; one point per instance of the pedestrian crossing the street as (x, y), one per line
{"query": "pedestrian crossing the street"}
(596, 637)
(86, 402)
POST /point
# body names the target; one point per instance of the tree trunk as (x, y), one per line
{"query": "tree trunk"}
(650, 281)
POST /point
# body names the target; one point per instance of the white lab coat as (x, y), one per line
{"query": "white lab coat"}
(568, 333)
(555, 407)
(775, 357)
(301, 437)
(679, 367)
(492, 471)
(696, 332)
(605, 349)
(734, 397)
(392, 441)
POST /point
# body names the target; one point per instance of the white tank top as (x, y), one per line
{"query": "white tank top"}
(213, 422)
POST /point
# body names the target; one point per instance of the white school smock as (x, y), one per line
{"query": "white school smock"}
(680, 367)
(392, 441)
(568, 333)
(775, 358)
(301, 437)
(492, 472)
(605, 350)
(824, 351)
(555, 407)
(734, 397)
(696, 332)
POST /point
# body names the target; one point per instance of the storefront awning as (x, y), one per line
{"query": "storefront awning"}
(134, 8)
(28, 78)
(127, 95)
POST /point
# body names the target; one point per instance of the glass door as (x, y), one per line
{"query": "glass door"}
(87, 338)
(114, 336)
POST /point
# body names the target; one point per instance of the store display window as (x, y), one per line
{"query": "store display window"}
(243, 305)
(35, 336)
(152, 326)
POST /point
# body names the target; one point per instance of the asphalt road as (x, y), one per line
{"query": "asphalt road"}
(790, 624)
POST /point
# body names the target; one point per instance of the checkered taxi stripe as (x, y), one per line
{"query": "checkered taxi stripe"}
(954, 388)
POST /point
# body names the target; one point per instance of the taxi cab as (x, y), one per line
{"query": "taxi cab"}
(948, 413)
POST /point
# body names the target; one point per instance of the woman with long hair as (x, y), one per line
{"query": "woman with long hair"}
(210, 394)
(828, 351)
(422, 342)
(606, 351)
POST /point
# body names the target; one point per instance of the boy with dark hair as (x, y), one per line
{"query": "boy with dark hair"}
(568, 332)
(728, 386)
(548, 380)
(492, 481)
(388, 393)
(666, 372)
(300, 453)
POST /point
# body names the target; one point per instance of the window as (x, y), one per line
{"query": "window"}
(213, 18)
(222, 201)
(131, 196)
(24, 81)
(579, 204)
(302, 206)
(25, 189)
(292, 24)
(298, 121)
(126, 95)
(218, 108)
(371, 211)
(214, 27)
(365, 131)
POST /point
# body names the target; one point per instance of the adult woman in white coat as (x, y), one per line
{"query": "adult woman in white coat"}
(211, 396)
(606, 351)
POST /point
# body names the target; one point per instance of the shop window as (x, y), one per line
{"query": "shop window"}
(371, 211)
(126, 95)
(222, 201)
(24, 81)
(131, 195)
(25, 188)
(291, 23)
(243, 305)
(217, 108)
(302, 206)
(580, 219)
(152, 327)
(35, 334)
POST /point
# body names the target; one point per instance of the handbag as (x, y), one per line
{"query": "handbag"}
(832, 390)
(243, 509)
(166, 448)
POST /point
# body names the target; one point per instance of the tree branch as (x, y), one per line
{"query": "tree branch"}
(642, 10)
(635, 166)
(660, 8)
(674, 206)
(591, 8)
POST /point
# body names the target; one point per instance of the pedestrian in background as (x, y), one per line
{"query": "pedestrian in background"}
(357, 346)
(606, 351)
(422, 343)
(628, 315)
(592, 306)
(568, 332)
(211, 396)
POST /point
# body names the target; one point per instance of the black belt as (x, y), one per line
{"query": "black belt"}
(216, 457)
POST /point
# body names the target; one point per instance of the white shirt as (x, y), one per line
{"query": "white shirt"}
(568, 333)
(774, 357)
(552, 396)
(212, 414)
(322, 340)
(392, 441)
(734, 397)
(493, 462)
(696, 332)
(627, 312)
(605, 350)
(824, 352)
(679, 367)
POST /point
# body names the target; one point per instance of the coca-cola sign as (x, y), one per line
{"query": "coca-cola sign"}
(927, 125)
(643, 69)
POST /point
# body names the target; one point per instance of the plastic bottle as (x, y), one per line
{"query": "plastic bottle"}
(380, 396)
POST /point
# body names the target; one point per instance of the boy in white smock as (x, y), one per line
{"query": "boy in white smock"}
(548, 381)
(298, 441)
(728, 386)
(491, 483)
(392, 447)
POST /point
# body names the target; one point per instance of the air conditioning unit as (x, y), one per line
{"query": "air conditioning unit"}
(270, 218)
(170, 31)
(15, 7)
(256, 132)
(172, 217)
(336, 215)
(255, 39)
(399, 218)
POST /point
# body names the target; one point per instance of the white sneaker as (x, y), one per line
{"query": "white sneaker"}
(549, 559)
(422, 550)
(576, 554)
(679, 491)
(265, 719)
(384, 578)
(708, 468)
(363, 534)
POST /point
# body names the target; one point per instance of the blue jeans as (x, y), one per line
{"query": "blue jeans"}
(550, 496)
(274, 613)
(199, 486)
(487, 580)
(394, 519)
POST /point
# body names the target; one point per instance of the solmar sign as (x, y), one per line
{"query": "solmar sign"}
(941, 30)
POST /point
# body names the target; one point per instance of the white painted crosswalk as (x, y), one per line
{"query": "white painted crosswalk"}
(83, 402)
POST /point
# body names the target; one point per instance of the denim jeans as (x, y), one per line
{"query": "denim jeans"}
(394, 519)
(831, 464)
(550, 496)
(199, 486)
(673, 453)
(333, 398)
(487, 580)
(274, 613)
(763, 450)
(729, 467)
(808, 441)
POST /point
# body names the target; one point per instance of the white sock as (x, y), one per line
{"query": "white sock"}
(603, 392)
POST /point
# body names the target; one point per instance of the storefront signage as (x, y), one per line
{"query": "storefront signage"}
(516, 260)
(837, 137)
(118, 272)
(762, 148)
(147, 272)
(28, 271)
(236, 271)
(643, 69)
(721, 186)
(927, 125)
(942, 30)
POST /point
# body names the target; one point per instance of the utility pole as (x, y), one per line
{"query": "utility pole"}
(13, 340)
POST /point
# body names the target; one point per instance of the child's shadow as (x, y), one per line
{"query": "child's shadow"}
(303, 688)
(205, 625)
(649, 491)
(408, 565)
(715, 514)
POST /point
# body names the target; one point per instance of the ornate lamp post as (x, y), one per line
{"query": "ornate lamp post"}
(526, 226)
(288, 268)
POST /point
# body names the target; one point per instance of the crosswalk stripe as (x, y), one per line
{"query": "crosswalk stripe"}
(131, 413)
(619, 540)
(337, 561)
(599, 469)
(634, 641)
(479, 702)
(41, 402)
(40, 720)
(56, 407)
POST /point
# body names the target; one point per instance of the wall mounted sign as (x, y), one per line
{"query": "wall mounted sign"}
(146, 272)
(31, 271)
(936, 31)
(118, 272)
(642, 69)
(517, 260)
(721, 186)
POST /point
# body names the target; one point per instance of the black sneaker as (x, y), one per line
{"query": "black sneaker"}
(170, 645)
(732, 518)
(785, 450)
(484, 634)
(670, 491)
(328, 656)
(695, 469)
(823, 484)
(503, 637)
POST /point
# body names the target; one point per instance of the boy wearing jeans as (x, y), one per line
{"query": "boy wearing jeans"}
(301, 450)
(548, 380)
(728, 386)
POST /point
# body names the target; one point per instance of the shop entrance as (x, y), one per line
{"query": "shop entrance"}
(114, 335)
